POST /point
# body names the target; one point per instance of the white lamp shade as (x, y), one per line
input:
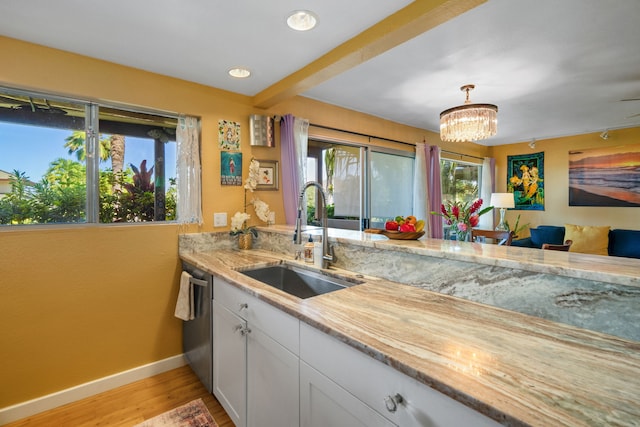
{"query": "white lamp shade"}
(502, 200)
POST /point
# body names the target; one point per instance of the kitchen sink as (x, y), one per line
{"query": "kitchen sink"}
(297, 281)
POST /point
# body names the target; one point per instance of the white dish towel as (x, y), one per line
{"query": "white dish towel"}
(184, 305)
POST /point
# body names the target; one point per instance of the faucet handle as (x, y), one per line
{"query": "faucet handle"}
(330, 255)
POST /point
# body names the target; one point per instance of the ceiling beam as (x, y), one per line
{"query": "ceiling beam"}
(407, 23)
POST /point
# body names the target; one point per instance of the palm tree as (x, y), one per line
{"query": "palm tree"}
(110, 147)
(117, 145)
(76, 144)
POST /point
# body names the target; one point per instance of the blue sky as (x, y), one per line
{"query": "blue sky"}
(30, 149)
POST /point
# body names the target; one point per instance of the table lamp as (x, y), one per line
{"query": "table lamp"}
(502, 201)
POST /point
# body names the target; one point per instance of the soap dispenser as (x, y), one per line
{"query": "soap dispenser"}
(308, 250)
(317, 252)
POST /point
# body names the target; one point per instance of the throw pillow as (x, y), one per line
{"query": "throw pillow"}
(625, 243)
(546, 234)
(588, 239)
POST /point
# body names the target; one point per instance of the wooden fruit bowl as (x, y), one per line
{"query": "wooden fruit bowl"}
(397, 235)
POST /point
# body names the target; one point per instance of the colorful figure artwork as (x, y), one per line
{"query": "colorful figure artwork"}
(607, 176)
(525, 179)
(230, 168)
(229, 135)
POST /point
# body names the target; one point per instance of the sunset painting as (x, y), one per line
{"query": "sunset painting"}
(605, 177)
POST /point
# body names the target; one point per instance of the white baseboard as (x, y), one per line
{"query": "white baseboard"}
(50, 401)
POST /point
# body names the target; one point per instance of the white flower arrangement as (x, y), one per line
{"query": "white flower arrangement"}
(239, 219)
(263, 211)
(254, 174)
(239, 224)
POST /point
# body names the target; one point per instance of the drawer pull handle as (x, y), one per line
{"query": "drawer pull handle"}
(244, 306)
(392, 402)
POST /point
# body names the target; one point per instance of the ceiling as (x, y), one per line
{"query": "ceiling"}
(554, 68)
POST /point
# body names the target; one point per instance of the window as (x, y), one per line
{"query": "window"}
(391, 187)
(55, 167)
(460, 180)
(360, 197)
(337, 168)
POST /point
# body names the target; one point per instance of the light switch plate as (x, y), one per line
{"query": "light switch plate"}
(220, 219)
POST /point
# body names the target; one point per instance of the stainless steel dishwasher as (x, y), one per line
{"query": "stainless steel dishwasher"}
(197, 333)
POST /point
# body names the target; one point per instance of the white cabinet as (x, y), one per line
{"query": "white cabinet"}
(229, 362)
(255, 359)
(400, 399)
(324, 403)
(272, 380)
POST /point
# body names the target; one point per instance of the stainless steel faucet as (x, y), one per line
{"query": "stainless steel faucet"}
(327, 250)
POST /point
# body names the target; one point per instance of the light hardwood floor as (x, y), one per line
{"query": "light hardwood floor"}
(132, 403)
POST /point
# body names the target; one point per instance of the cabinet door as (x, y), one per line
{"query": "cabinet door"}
(229, 363)
(324, 403)
(272, 382)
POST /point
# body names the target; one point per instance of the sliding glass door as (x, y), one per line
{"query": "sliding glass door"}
(365, 185)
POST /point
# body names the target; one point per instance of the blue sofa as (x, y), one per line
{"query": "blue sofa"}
(622, 243)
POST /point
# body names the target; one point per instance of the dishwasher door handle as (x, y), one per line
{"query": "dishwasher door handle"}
(198, 282)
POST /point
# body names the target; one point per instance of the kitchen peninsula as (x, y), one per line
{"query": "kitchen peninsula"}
(513, 367)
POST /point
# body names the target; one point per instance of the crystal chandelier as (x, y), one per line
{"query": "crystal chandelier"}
(468, 122)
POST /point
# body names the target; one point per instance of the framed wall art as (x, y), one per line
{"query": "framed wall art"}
(230, 168)
(268, 175)
(608, 176)
(525, 179)
(228, 135)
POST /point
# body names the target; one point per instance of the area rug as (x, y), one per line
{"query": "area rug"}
(192, 414)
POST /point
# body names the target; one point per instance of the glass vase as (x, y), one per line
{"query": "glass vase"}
(245, 241)
(463, 236)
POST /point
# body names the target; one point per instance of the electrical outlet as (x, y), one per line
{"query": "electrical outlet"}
(220, 219)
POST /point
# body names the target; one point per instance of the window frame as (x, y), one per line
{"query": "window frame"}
(92, 132)
(366, 150)
(477, 164)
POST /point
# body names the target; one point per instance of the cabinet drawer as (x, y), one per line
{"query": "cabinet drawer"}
(280, 326)
(375, 383)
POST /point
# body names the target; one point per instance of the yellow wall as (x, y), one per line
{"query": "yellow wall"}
(78, 303)
(556, 161)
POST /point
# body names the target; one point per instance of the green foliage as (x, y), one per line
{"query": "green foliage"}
(133, 198)
(75, 144)
(15, 207)
(53, 203)
(60, 196)
(311, 213)
(517, 228)
(459, 181)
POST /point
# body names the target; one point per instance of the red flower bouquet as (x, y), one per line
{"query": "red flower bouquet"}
(462, 215)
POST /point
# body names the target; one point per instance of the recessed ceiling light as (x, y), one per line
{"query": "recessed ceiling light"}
(239, 73)
(302, 20)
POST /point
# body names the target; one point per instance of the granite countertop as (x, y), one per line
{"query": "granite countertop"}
(515, 368)
(609, 269)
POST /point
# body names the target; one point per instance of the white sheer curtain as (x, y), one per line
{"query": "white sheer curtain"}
(434, 183)
(420, 189)
(301, 141)
(346, 181)
(294, 135)
(189, 209)
(488, 187)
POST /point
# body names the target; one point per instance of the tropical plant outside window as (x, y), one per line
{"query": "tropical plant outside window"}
(51, 172)
(460, 184)
(460, 180)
